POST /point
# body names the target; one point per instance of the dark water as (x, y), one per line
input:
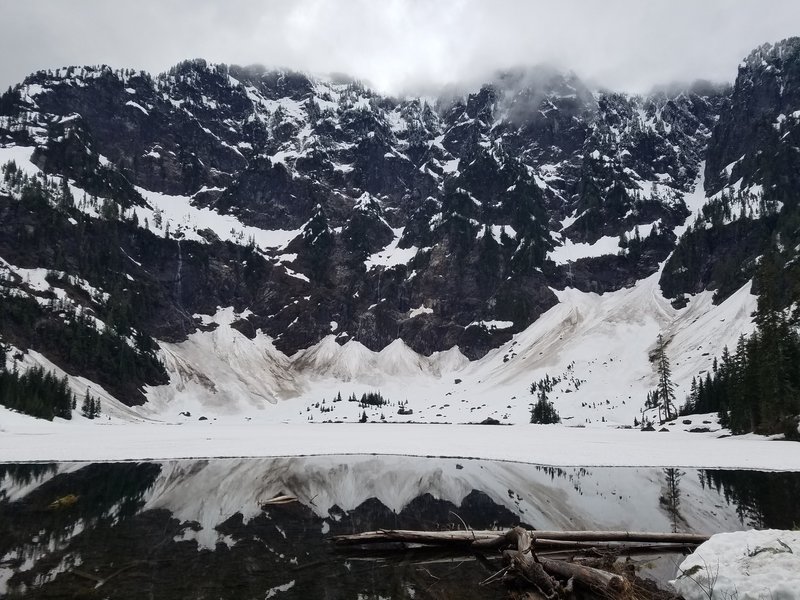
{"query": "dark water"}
(195, 529)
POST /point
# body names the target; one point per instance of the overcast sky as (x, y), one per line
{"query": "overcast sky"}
(396, 44)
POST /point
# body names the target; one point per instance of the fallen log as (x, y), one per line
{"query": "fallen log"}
(577, 550)
(496, 539)
(590, 577)
(521, 561)
(383, 536)
(622, 536)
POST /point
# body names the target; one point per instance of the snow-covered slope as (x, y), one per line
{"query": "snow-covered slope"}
(597, 347)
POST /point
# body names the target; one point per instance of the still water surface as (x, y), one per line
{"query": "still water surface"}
(199, 529)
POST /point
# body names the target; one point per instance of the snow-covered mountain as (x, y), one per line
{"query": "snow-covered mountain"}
(218, 238)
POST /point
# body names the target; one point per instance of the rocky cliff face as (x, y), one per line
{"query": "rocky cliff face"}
(752, 175)
(323, 207)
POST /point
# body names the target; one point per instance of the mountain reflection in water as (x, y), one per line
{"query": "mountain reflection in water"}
(197, 529)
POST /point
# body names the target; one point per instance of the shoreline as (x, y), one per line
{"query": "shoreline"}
(545, 445)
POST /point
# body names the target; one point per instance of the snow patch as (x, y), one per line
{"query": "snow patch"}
(570, 251)
(391, 255)
(420, 310)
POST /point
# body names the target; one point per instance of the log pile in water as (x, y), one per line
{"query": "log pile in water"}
(531, 575)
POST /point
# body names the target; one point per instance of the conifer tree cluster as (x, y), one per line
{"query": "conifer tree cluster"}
(756, 387)
(104, 355)
(543, 411)
(546, 383)
(90, 407)
(372, 399)
(36, 392)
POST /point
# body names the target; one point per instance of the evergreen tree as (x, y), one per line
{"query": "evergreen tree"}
(666, 389)
(87, 406)
(691, 402)
(671, 500)
(543, 412)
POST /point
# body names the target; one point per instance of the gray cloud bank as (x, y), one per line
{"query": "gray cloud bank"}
(401, 45)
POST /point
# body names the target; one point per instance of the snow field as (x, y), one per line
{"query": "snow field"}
(24, 439)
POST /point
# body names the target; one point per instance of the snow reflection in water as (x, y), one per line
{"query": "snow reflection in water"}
(181, 529)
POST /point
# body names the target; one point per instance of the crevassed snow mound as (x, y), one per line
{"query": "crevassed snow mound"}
(355, 362)
(746, 565)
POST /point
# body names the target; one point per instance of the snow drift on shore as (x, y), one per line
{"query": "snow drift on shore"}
(746, 565)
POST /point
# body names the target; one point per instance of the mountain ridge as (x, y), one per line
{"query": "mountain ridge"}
(315, 208)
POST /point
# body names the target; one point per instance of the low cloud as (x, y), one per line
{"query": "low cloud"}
(402, 45)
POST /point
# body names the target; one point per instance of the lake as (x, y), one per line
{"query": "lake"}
(197, 528)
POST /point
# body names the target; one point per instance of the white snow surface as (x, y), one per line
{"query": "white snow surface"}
(570, 251)
(420, 310)
(391, 255)
(597, 344)
(746, 565)
(24, 439)
(21, 155)
(183, 217)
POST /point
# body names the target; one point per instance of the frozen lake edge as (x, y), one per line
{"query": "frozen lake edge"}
(26, 440)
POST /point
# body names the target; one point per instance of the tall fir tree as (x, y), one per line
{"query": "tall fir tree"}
(666, 389)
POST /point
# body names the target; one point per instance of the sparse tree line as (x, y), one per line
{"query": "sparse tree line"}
(368, 399)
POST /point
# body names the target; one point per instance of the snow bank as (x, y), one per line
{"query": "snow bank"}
(746, 565)
(597, 345)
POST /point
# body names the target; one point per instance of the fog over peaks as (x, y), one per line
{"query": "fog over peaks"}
(402, 45)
